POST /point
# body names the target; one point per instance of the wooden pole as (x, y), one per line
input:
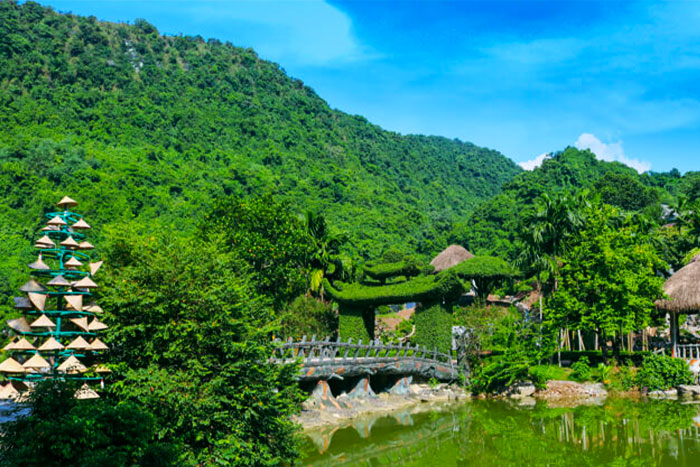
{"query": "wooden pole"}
(674, 332)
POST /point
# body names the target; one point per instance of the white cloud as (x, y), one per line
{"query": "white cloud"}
(610, 152)
(536, 162)
(309, 33)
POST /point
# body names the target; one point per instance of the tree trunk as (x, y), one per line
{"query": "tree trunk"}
(604, 346)
(616, 342)
(581, 346)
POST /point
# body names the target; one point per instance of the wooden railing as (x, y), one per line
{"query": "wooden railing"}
(688, 351)
(317, 353)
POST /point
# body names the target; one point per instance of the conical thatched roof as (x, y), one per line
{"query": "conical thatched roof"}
(38, 300)
(37, 361)
(73, 262)
(22, 344)
(39, 264)
(42, 322)
(75, 301)
(85, 245)
(94, 267)
(78, 344)
(8, 391)
(70, 243)
(71, 365)
(683, 289)
(81, 224)
(58, 281)
(97, 325)
(33, 286)
(85, 283)
(67, 202)
(451, 256)
(57, 221)
(11, 366)
(98, 345)
(19, 324)
(86, 393)
(82, 323)
(51, 344)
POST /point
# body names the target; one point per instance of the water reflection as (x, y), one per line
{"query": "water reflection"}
(618, 432)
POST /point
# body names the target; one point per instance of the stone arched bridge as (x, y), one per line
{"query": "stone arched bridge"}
(334, 359)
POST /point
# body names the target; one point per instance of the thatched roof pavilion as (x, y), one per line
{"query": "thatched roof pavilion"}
(450, 256)
(683, 290)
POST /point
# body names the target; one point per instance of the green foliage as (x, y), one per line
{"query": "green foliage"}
(308, 316)
(420, 289)
(500, 373)
(61, 430)
(191, 341)
(582, 370)
(158, 127)
(264, 232)
(626, 191)
(486, 272)
(540, 374)
(433, 328)
(527, 343)
(609, 279)
(661, 372)
(355, 322)
(408, 267)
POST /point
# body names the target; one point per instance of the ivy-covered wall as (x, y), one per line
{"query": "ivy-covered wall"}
(434, 327)
(356, 322)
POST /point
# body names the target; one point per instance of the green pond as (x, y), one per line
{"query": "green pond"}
(497, 433)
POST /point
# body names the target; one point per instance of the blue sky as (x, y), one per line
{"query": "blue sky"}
(525, 78)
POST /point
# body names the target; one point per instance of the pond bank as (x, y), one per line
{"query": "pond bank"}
(344, 410)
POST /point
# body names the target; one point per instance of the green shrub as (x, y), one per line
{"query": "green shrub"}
(500, 373)
(661, 372)
(433, 328)
(540, 374)
(62, 430)
(582, 370)
(425, 289)
(353, 322)
(408, 268)
(307, 316)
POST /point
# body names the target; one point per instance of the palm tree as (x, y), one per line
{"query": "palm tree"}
(325, 259)
(548, 233)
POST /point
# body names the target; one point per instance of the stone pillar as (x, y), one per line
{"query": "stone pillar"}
(402, 386)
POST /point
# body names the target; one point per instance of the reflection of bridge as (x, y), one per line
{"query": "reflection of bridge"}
(327, 359)
(388, 440)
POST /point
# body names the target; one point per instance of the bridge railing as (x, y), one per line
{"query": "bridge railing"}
(688, 351)
(313, 351)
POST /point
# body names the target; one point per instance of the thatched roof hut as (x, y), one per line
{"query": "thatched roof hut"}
(451, 256)
(683, 289)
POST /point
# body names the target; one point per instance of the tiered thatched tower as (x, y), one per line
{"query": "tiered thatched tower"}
(57, 336)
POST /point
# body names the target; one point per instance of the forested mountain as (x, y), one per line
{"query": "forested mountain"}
(137, 125)
(494, 225)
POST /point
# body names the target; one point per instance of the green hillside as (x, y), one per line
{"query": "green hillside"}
(137, 125)
(492, 228)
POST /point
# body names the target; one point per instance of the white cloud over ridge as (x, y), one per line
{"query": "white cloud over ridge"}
(534, 163)
(610, 152)
(312, 32)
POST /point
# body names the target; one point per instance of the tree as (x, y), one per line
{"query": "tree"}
(325, 259)
(61, 430)
(191, 341)
(609, 279)
(548, 234)
(485, 272)
(625, 191)
(265, 233)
